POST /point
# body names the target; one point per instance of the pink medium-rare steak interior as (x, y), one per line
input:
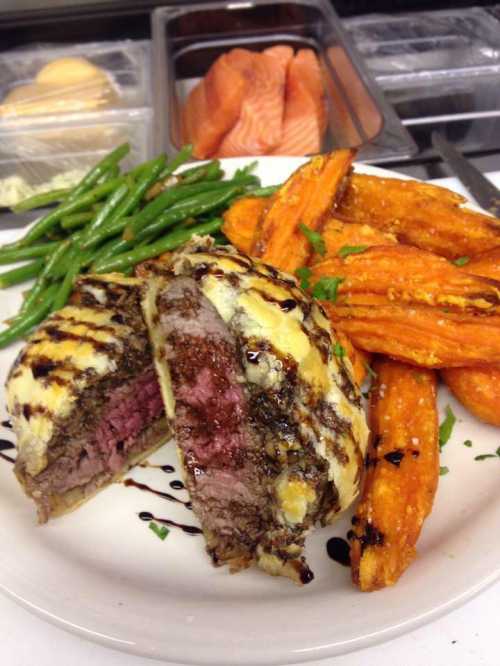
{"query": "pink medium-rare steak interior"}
(129, 410)
(211, 410)
(123, 413)
(211, 421)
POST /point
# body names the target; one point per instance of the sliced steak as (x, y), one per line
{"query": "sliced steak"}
(219, 448)
(84, 398)
(256, 397)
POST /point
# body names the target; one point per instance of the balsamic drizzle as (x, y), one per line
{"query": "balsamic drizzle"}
(5, 445)
(395, 457)
(177, 485)
(188, 529)
(339, 550)
(146, 488)
(7, 424)
(168, 469)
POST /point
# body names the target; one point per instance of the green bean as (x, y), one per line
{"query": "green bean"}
(165, 244)
(109, 249)
(140, 169)
(44, 276)
(112, 172)
(203, 203)
(102, 217)
(64, 264)
(21, 274)
(23, 323)
(182, 156)
(41, 200)
(105, 165)
(174, 196)
(209, 171)
(64, 291)
(262, 191)
(246, 170)
(21, 253)
(138, 191)
(46, 223)
(166, 199)
(76, 220)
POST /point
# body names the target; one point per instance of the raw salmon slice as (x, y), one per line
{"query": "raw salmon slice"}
(306, 66)
(260, 126)
(305, 113)
(283, 54)
(213, 106)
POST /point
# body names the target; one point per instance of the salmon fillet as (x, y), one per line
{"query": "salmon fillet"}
(283, 54)
(306, 65)
(260, 125)
(305, 112)
(213, 106)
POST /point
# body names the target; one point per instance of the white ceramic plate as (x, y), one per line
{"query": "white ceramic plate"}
(101, 573)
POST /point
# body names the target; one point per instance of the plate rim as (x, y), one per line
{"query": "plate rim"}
(274, 656)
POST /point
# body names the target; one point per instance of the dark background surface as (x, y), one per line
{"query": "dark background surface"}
(24, 21)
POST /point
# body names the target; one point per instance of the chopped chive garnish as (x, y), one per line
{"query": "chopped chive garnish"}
(160, 530)
(443, 471)
(303, 274)
(346, 250)
(326, 288)
(338, 350)
(446, 427)
(484, 456)
(468, 443)
(314, 238)
(461, 261)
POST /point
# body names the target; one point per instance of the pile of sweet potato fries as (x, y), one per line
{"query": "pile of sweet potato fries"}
(406, 272)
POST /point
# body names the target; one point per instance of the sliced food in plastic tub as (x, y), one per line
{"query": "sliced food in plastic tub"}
(266, 78)
(53, 80)
(43, 157)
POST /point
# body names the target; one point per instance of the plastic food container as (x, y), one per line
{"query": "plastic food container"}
(440, 70)
(62, 109)
(188, 39)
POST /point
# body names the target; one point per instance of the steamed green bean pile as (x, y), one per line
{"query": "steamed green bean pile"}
(110, 222)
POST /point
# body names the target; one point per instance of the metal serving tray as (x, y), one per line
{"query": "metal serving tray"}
(440, 70)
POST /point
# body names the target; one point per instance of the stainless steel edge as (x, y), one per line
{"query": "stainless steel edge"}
(392, 122)
(484, 192)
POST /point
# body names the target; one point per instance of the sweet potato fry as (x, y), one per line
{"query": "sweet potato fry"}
(242, 219)
(478, 389)
(409, 275)
(419, 334)
(306, 197)
(338, 235)
(419, 214)
(486, 264)
(414, 306)
(402, 470)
